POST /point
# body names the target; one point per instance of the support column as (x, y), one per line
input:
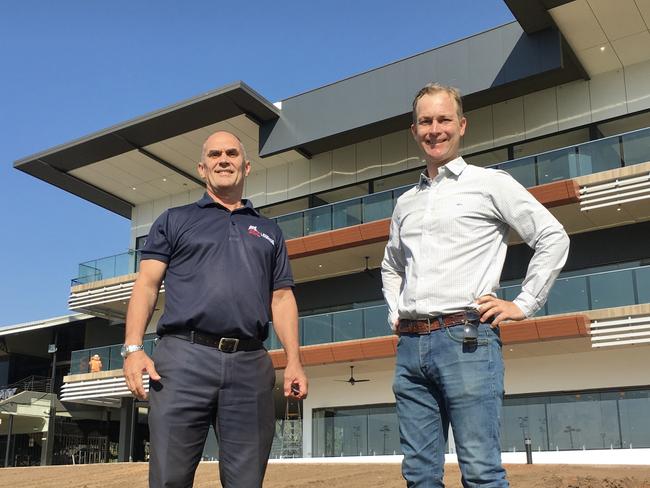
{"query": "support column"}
(47, 450)
(127, 424)
(10, 447)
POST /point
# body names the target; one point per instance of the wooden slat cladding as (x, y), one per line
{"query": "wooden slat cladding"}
(531, 330)
(550, 195)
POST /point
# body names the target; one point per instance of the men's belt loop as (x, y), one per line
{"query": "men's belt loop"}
(191, 337)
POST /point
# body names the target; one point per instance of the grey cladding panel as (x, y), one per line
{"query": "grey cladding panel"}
(482, 63)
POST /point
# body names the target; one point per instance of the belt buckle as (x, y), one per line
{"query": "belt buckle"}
(228, 344)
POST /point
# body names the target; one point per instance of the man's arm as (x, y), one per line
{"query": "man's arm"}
(285, 323)
(544, 234)
(141, 305)
(392, 271)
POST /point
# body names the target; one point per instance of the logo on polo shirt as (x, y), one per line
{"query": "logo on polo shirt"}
(252, 230)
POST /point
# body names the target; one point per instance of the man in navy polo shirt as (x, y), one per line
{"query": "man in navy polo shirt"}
(226, 271)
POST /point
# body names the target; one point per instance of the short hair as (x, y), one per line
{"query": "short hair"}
(432, 88)
(241, 144)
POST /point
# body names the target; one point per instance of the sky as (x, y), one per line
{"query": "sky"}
(72, 67)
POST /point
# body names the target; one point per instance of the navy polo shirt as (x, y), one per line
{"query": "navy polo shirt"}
(222, 268)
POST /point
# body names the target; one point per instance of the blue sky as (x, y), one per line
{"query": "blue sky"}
(72, 67)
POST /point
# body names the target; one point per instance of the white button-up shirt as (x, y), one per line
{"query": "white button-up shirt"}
(449, 237)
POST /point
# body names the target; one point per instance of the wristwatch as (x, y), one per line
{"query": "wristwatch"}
(130, 349)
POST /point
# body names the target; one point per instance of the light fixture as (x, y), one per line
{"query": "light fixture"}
(164, 179)
(133, 188)
(602, 48)
(320, 266)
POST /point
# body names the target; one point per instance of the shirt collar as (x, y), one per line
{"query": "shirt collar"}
(207, 201)
(455, 167)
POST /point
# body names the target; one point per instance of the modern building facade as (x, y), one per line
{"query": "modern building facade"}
(560, 99)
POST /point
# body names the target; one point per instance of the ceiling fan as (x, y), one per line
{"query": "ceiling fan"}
(352, 380)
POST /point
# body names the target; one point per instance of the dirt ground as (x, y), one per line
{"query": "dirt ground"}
(134, 475)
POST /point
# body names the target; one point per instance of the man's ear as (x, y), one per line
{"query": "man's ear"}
(247, 168)
(200, 168)
(414, 132)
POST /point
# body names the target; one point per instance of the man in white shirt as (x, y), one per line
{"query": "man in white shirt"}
(441, 268)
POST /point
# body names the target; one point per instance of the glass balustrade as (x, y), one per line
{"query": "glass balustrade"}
(592, 291)
(109, 267)
(109, 355)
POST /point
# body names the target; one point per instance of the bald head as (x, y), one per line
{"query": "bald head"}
(222, 134)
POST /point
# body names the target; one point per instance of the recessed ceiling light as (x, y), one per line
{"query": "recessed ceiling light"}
(602, 48)
(164, 179)
(320, 265)
(133, 188)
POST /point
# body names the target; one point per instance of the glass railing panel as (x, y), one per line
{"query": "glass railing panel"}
(377, 206)
(347, 325)
(642, 277)
(599, 155)
(291, 225)
(612, 289)
(557, 165)
(116, 361)
(523, 170)
(79, 361)
(636, 147)
(317, 329)
(375, 321)
(149, 346)
(318, 219)
(87, 273)
(346, 214)
(568, 295)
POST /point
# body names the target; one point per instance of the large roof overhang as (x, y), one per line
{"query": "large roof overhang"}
(131, 148)
(488, 68)
(604, 35)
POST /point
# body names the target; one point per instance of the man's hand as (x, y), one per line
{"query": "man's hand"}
(135, 364)
(498, 309)
(295, 381)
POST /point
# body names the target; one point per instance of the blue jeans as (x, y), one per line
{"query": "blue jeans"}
(438, 381)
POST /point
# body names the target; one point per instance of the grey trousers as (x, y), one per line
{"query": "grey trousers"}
(200, 386)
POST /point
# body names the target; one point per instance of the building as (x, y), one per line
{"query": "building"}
(560, 99)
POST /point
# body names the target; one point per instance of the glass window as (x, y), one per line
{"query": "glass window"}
(489, 158)
(556, 141)
(635, 427)
(285, 208)
(355, 431)
(524, 417)
(408, 178)
(345, 193)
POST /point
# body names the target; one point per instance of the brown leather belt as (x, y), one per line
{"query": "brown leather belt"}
(428, 325)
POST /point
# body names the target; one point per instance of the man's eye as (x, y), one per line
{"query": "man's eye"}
(214, 154)
(232, 153)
